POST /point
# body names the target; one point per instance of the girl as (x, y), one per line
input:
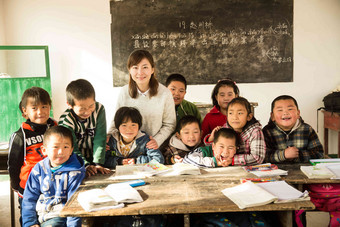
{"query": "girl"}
(252, 148)
(127, 144)
(152, 99)
(224, 91)
(186, 139)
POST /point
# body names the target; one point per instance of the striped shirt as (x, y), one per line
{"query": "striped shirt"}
(89, 135)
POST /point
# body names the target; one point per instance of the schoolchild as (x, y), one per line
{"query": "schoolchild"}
(221, 152)
(24, 145)
(177, 84)
(127, 143)
(288, 138)
(86, 119)
(252, 148)
(186, 139)
(53, 181)
(223, 92)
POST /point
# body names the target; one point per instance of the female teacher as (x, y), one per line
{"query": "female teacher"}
(153, 100)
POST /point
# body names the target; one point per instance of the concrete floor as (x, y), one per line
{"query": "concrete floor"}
(314, 219)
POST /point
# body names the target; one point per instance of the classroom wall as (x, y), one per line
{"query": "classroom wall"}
(78, 35)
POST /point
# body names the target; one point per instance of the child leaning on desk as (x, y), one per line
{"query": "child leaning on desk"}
(221, 152)
(186, 139)
(53, 181)
(86, 119)
(127, 143)
(252, 148)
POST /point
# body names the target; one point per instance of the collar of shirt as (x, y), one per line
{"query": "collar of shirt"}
(143, 93)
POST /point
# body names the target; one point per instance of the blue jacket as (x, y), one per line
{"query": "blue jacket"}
(139, 152)
(46, 193)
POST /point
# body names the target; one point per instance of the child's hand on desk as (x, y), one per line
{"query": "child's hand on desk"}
(128, 161)
(92, 170)
(178, 159)
(291, 152)
(152, 144)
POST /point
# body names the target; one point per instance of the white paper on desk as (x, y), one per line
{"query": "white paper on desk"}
(317, 172)
(283, 191)
(333, 167)
(182, 169)
(248, 194)
(123, 193)
(269, 173)
(128, 172)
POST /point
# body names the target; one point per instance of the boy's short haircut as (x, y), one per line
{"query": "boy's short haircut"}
(125, 113)
(176, 77)
(38, 94)
(242, 101)
(226, 133)
(284, 97)
(188, 119)
(79, 89)
(59, 130)
(221, 83)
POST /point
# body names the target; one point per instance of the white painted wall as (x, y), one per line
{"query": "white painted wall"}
(78, 35)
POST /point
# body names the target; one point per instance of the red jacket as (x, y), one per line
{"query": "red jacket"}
(24, 152)
(213, 119)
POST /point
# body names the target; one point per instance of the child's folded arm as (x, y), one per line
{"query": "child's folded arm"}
(314, 148)
(257, 148)
(151, 154)
(196, 158)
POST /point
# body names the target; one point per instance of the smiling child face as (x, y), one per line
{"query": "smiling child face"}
(238, 116)
(190, 134)
(224, 149)
(285, 114)
(58, 149)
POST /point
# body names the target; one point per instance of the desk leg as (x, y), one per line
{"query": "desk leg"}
(326, 140)
(12, 203)
(186, 220)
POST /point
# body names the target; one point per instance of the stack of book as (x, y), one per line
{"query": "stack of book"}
(265, 170)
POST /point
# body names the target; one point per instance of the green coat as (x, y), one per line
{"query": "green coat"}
(187, 108)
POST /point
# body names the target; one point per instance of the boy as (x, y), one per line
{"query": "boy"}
(186, 139)
(86, 119)
(287, 137)
(177, 84)
(221, 152)
(24, 145)
(127, 143)
(53, 181)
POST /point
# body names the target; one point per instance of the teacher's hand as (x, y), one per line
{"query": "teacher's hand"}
(152, 144)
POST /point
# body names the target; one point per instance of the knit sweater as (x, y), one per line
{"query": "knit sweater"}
(213, 119)
(302, 136)
(158, 112)
(89, 135)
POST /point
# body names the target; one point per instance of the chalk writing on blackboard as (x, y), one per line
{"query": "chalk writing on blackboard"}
(250, 41)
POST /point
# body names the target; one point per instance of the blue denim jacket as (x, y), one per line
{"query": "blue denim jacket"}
(140, 153)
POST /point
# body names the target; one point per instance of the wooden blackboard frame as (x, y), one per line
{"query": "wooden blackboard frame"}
(136, 24)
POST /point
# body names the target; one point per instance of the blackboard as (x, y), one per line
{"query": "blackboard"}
(250, 41)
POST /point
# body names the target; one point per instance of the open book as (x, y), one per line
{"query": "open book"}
(325, 160)
(265, 170)
(113, 196)
(249, 194)
(322, 171)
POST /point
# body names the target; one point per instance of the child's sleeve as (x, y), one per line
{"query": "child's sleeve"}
(99, 140)
(15, 159)
(31, 196)
(205, 126)
(112, 159)
(196, 158)
(314, 148)
(150, 154)
(257, 150)
(273, 154)
(74, 180)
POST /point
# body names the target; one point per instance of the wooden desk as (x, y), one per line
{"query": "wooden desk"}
(182, 195)
(331, 121)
